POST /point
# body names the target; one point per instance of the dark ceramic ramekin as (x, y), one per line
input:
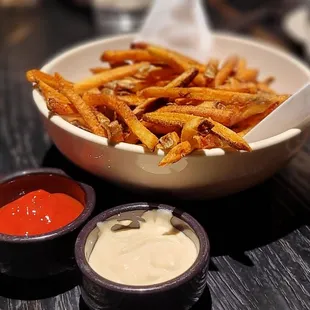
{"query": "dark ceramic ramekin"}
(179, 293)
(45, 254)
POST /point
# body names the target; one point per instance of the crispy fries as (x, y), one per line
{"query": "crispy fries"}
(167, 119)
(225, 117)
(229, 136)
(123, 55)
(55, 101)
(182, 80)
(81, 106)
(225, 71)
(178, 152)
(100, 79)
(34, 76)
(245, 75)
(144, 45)
(160, 129)
(203, 93)
(250, 88)
(122, 109)
(152, 96)
(191, 130)
(177, 62)
(248, 75)
(211, 71)
(96, 70)
(132, 100)
(169, 141)
(116, 132)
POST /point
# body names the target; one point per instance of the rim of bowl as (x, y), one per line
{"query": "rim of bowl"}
(90, 201)
(201, 261)
(60, 122)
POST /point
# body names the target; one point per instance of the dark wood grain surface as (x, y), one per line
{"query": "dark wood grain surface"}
(260, 238)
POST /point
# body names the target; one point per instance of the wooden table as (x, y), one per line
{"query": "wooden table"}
(260, 239)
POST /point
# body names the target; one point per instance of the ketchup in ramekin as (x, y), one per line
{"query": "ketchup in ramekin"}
(38, 212)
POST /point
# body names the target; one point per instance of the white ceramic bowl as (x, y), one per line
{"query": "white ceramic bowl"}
(207, 173)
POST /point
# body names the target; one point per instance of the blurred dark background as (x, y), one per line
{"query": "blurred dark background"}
(259, 18)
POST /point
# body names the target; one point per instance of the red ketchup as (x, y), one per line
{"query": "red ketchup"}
(38, 212)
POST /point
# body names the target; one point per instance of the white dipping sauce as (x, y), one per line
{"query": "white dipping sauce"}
(143, 256)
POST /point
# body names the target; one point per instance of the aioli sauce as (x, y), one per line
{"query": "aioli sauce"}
(144, 256)
(38, 212)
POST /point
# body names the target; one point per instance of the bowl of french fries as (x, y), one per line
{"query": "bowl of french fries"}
(150, 118)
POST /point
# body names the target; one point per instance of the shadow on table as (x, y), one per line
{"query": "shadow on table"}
(205, 302)
(235, 224)
(32, 289)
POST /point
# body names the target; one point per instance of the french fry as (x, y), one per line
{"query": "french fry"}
(211, 71)
(144, 106)
(225, 71)
(229, 136)
(182, 80)
(160, 129)
(55, 101)
(249, 75)
(81, 106)
(143, 45)
(168, 119)
(123, 55)
(107, 91)
(97, 70)
(249, 87)
(203, 93)
(225, 117)
(175, 154)
(200, 136)
(177, 63)
(117, 64)
(241, 67)
(191, 130)
(185, 101)
(131, 100)
(33, 76)
(94, 91)
(116, 130)
(104, 122)
(128, 84)
(233, 82)
(102, 78)
(210, 141)
(169, 140)
(244, 74)
(131, 138)
(109, 113)
(157, 74)
(122, 109)
(209, 104)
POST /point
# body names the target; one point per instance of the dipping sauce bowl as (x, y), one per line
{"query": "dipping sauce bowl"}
(181, 292)
(51, 253)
